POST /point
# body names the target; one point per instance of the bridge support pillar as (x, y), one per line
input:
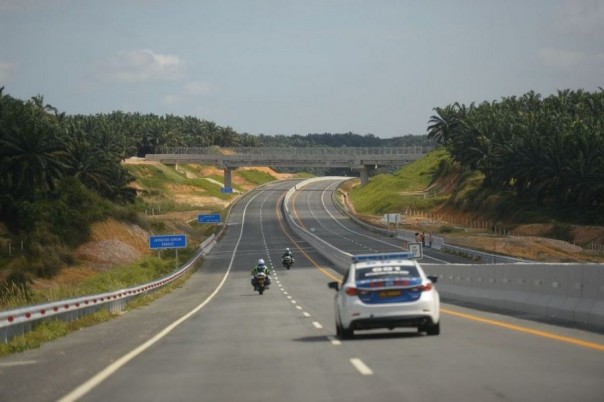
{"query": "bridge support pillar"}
(365, 171)
(364, 175)
(228, 177)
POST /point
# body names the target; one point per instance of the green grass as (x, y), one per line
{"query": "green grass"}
(256, 177)
(156, 176)
(392, 193)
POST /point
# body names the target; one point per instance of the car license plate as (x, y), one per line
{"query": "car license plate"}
(390, 293)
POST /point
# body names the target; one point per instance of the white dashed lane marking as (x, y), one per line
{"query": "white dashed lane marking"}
(334, 341)
(362, 367)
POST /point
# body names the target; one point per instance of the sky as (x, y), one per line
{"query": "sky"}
(297, 67)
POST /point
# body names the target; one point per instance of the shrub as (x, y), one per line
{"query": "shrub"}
(561, 232)
(446, 229)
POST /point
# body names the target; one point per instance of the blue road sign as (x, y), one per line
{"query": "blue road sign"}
(208, 218)
(226, 190)
(167, 241)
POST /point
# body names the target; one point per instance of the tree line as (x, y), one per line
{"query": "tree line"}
(539, 149)
(42, 148)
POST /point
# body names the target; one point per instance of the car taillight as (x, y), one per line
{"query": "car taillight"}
(422, 288)
(425, 287)
(351, 291)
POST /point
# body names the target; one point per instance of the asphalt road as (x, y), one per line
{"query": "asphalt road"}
(214, 339)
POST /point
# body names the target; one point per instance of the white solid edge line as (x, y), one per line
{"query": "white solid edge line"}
(112, 368)
(362, 367)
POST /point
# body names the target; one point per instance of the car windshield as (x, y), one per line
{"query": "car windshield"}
(386, 272)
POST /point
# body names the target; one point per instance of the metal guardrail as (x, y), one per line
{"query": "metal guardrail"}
(484, 257)
(16, 322)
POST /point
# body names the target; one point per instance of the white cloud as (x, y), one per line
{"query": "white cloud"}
(190, 90)
(7, 71)
(142, 66)
(197, 88)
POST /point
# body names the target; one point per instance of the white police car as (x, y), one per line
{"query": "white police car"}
(386, 290)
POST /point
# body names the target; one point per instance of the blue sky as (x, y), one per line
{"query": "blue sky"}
(296, 67)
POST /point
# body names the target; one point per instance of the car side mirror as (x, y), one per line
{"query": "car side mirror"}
(433, 278)
(334, 285)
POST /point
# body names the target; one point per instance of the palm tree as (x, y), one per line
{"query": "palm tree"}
(32, 158)
(118, 190)
(444, 124)
(211, 130)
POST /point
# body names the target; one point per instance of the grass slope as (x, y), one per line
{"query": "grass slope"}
(392, 193)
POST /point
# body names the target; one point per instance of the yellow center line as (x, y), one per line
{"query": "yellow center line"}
(313, 262)
(543, 334)
(296, 211)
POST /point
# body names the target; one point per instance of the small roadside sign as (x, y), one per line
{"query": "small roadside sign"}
(208, 218)
(391, 218)
(167, 241)
(416, 249)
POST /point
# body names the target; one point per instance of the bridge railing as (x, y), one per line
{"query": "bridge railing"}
(295, 151)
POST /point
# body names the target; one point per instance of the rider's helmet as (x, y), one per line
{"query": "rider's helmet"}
(287, 249)
(261, 262)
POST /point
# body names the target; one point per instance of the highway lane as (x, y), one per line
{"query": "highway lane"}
(520, 360)
(314, 209)
(280, 346)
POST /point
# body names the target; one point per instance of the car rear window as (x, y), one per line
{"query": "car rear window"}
(386, 272)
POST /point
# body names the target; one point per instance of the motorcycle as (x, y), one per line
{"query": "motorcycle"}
(260, 282)
(287, 261)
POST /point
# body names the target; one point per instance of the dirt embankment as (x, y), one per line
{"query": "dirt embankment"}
(526, 241)
(116, 243)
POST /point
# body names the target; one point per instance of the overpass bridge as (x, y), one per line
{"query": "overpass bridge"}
(361, 159)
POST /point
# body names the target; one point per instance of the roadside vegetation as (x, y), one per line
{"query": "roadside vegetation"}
(524, 159)
(545, 152)
(517, 160)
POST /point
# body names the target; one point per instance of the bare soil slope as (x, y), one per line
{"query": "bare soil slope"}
(528, 241)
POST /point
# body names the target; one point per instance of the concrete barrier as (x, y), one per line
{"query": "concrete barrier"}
(572, 293)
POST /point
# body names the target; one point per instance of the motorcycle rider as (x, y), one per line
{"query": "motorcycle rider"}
(287, 253)
(261, 267)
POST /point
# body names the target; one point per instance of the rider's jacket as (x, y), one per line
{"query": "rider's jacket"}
(287, 253)
(260, 268)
